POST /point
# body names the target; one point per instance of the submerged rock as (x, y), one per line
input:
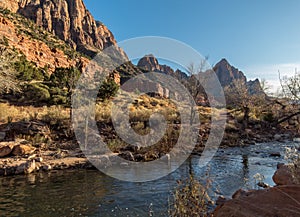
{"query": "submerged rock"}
(26, 168)
(275, 154)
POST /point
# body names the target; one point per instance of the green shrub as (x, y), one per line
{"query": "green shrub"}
(65, 78)
(269, 117)
(39, 92)
(108, 89)
(27, 71)
(59, 100)
(61, 83)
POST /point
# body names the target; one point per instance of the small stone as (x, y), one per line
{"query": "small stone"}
(2, 136)
(46, 167)
(5, 150)
(275, 154)
(283, 175)
(124, 164)
(139, 157)
(39, 159)
(127, 155)
(277, 136)
(32, 156)
(296, 140)
(26, 168)
(263, 185)
(30, 167)
(221, 200)
(20, 150)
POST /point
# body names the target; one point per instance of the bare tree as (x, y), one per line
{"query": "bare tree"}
(291, 91)
(291, 86)
(196, 77)
(194, 83)
(239, 96)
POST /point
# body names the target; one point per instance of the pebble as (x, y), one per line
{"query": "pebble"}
(39, 159)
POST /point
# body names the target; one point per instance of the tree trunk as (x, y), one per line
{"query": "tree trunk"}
(287, 118)
(246, 117)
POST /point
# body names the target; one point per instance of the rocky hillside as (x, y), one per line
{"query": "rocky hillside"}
(38, 43)
(67, 19)
(23, 38)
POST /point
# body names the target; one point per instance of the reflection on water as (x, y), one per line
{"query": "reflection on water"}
(55, 194)
(90, 193)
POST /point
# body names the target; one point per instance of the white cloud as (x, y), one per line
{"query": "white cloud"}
(271, 73)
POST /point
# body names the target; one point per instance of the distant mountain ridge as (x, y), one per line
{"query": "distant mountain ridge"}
(225, 72)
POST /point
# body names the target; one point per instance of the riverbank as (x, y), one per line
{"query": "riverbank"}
(46, 141)
(20, 157)
(25, 159)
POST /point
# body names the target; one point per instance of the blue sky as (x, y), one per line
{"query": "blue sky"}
(258, 37)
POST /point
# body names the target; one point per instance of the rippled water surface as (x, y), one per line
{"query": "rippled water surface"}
(91, 193)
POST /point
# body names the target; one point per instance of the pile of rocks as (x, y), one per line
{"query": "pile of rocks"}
(15, 148)
(22, 158)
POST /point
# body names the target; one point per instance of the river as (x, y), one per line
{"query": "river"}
(91, 193)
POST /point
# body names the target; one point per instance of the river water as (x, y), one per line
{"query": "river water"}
(91, 193)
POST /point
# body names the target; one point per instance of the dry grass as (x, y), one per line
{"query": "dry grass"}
(10, 113)
(190, 198)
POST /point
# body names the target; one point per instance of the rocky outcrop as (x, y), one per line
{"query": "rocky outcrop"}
(28, 128)
(284, 176)
(281, 200)
(277, 201)
(15, 148)
(254, 87)
(67, 19)
(149, 63)
(148, 86)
